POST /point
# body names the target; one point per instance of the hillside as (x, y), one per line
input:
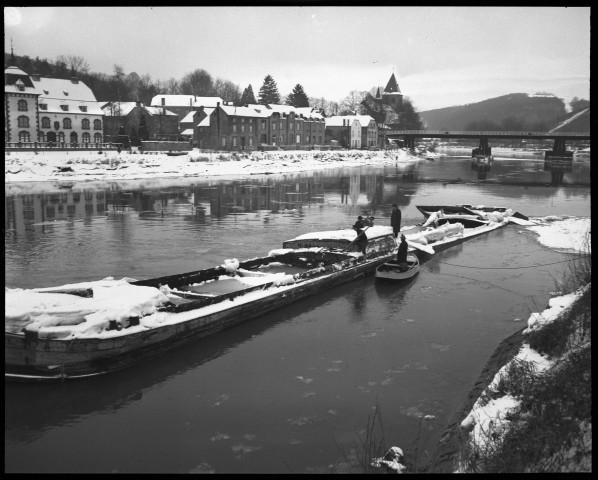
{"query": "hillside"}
(513, 112)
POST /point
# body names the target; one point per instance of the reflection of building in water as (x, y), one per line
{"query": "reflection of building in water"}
(354, 188)
(24, 210)
(239, 197)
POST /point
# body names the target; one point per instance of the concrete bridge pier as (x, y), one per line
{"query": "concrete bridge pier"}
(483, 149)
(558, 153)
(409, 142)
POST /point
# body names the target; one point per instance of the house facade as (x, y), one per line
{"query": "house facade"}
(352, 131)
(50, 110)
(158, 122)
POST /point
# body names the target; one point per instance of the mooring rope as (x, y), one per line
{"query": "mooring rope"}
(503, 268)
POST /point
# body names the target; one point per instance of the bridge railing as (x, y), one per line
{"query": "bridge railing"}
(485, 133)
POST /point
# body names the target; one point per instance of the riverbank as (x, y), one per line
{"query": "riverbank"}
(530, 409)
(85, 166)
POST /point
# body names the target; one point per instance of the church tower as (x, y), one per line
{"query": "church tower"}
(392, 95)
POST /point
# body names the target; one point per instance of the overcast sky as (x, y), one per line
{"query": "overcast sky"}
(442, 56)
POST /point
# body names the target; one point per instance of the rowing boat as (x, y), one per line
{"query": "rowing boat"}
(93, 328)
(393, 271)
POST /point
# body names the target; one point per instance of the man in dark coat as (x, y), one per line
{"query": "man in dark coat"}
(395, 220)
(402, 253)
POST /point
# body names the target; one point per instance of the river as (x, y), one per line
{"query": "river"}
(293, 390)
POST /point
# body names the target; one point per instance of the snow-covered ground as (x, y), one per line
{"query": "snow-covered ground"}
(85, 165)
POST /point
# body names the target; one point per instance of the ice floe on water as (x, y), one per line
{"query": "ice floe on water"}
(564, 233)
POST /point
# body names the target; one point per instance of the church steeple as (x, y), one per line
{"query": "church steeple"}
(13, 60)
(392, 86)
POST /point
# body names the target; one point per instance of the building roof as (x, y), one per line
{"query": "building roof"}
(337, 120)
(205, 122)
(55, 92)
(185, 101)
(245, 111)
(112, 109)
(189, 117)
(392, 86)
(188, 131)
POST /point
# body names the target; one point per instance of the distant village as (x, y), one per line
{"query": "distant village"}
(42, 112)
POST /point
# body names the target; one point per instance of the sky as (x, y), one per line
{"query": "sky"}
(441, 56)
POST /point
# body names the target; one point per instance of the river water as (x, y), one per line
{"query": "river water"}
(292, 391)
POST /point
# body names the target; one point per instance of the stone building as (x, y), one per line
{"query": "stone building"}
(49, 110)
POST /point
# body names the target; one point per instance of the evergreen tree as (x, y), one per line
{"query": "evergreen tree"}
(269, 92)
(248, 96)
(298, 98)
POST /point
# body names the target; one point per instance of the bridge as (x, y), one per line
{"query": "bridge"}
(559, 138)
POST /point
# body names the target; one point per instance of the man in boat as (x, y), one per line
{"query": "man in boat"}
(402, 254)
(395, 220)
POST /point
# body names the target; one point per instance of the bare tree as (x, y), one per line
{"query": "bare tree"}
(199, 82)
(75, 63)
(352, 102)
(171, 86)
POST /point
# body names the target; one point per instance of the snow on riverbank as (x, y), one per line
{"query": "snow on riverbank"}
(111, 165)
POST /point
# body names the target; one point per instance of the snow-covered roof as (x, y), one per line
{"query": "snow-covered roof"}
(124, 108)
(337, 120)
(173, 100)
(55, 92)
(206, 121)
(185, 101)
(189, 117)
(208, 102)
(188, 131)
(245, 111)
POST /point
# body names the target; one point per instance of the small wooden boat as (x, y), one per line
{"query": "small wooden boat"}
(176, 154)
(393, 272)
(94, 328)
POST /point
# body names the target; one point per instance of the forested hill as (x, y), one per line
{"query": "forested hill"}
(513, 112)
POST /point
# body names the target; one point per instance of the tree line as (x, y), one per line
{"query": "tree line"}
(130, 87)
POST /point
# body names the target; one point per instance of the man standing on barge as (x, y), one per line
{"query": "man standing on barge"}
(395, 220)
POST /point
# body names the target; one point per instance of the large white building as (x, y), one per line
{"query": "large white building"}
(49, 110)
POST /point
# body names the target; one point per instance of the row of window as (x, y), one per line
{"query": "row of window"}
(22, 106)
(25, 137)
(235, 140)
(23, 122)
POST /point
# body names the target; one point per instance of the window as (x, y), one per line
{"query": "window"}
(281, 125)
(291, 125)
(97, 138)
(251, 141)
(70, 210)
(45, 122)
(263, 124)
(23, 121)
(61, 137)
(97, 124)
(41, 137)
(298, 140)
(66, 123)
(243, 126)
(273, 126)
(73, 137)
(88, 209)
(86, 137)
(83, 109)
(281, 138)
(234, 141)
(223, 141)
(85, 124)
(43, 106)
(65, 108)
(251, 128)
(50, 212)
(234, 128)
(24, 137)
(22, 105)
